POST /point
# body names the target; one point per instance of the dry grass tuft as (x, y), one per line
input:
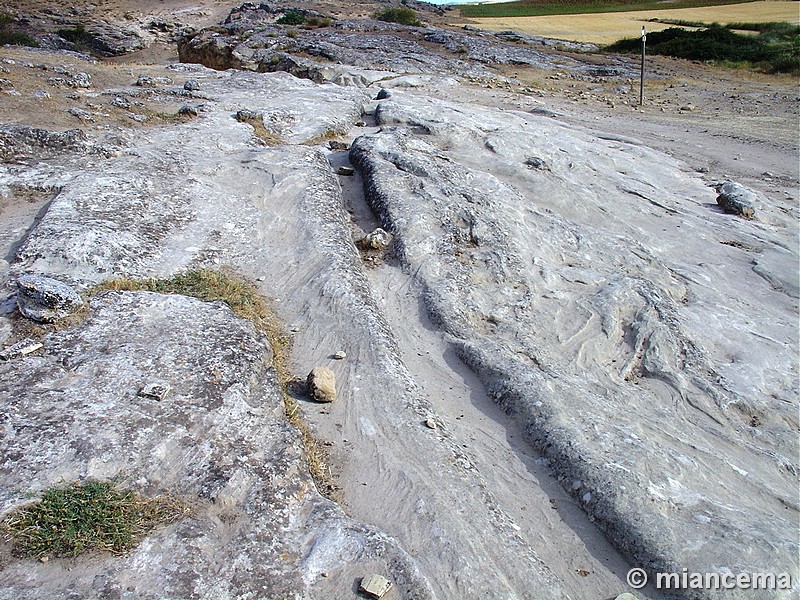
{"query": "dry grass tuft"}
(270, 138)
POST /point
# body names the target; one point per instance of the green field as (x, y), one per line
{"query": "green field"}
(535, 8)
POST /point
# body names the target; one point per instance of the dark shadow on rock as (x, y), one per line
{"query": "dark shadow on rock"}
(297, 388)
(12, 250)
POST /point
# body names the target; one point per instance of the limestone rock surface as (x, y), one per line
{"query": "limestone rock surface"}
(601, 350)
(596, 333)
(219, 441)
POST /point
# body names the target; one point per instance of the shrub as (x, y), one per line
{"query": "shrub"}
(77, 35)
(10, 37)
(292, 17)
(15, 38)
(403, 16)
(776, 49)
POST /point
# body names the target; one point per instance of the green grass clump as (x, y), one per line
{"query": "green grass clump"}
(776, 49)
(317, 22)
(535, 8)
(403, 16)
(292, 17)
(84, 516)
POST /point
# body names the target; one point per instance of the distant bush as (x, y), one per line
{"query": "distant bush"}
(10, 37)
(775, 49)
(403, 16)
(15, 38)
(292, 17)
(77, 35)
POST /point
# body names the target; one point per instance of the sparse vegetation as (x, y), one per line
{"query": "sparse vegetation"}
(296, 17)
(327, 135)
(255, 120)
(317, 22)
(247, 302)
(9, 36)
(534, 8)
(775, 49)
(84, 516)
(403, 16)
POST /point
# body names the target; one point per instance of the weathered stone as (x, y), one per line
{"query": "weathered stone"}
(191, 85)
(534, 162)
(46, 300)
(375, 586)
(340, 355)
(737, 199)
(155, 390)
(347, 171)
(322, 384)
(147, 81)
(187, 111)
(383, 94)
(80, 80)
(246, 116)
(121, 102)
(19, 141)
(83, 115)
(377, 239)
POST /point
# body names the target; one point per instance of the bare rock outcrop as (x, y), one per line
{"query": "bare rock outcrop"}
(18, 142)
(563, 266)
(598, 333)
(278, 215)
(251, 39)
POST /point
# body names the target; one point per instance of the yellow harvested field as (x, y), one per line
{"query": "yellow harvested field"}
(605, 28)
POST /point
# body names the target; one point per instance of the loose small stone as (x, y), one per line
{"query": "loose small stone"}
(375, 586)
(322, 384)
